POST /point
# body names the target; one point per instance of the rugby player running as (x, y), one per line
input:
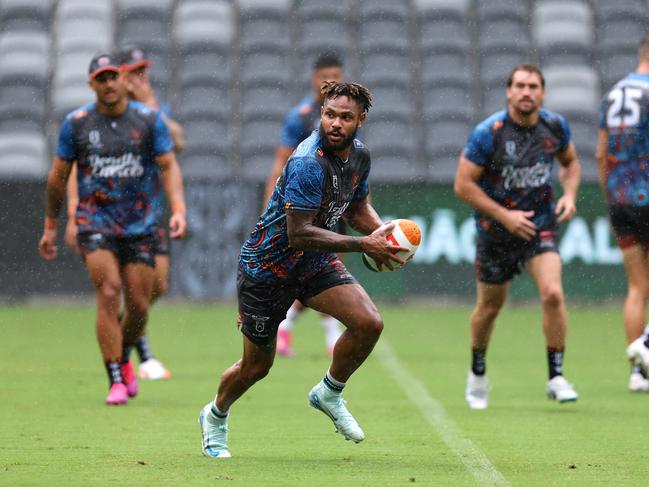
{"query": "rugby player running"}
(290, 255)
(123, 151)
(504, 173)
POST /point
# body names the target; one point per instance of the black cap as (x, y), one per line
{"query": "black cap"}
(101, 63)
(132, 57)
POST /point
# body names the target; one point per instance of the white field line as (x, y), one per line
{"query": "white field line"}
(469, 454)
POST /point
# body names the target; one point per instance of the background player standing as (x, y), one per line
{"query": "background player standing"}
(289, 256)
(135, 66)
(117, 146)
(505, 174)
(303, 119)
(622, 153)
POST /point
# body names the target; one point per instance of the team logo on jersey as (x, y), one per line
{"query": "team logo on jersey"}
(320, 152)
(510, 148)
(358, 144)
(95, 139)
(136, 136)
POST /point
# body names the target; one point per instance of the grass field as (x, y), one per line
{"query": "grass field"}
(55, 430)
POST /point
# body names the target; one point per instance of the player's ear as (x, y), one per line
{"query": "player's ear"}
(361, 119)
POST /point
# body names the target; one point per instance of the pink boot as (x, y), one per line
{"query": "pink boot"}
(130, 379)
(284, 339)
(117, 395)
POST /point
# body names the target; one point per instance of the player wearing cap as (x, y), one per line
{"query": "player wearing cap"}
(124, 153)
(298, 125)
(135, 68)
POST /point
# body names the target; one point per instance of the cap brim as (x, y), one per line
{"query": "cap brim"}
(103, 69)
(145, 63)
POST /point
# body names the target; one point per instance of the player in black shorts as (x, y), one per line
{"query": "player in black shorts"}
(298, 125)
(135, 65)
(124, 155)
(290, 255)
(622, 155)
(505, 174)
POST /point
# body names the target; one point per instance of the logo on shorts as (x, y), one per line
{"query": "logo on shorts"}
(510, 148)
(260, 322)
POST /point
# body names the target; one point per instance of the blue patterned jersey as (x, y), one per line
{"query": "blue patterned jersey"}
(624, 112)
(517, 162)
(312, 180)
(300, 122)
(118, 178)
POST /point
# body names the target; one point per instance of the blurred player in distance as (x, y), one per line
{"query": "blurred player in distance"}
(505, 173)
(290, 255)
(301, 120)
(622, 154)
(135, 69)
(123, 153)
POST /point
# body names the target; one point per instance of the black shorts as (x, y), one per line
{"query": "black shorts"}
(161, 246)
(128, 250)
(263, 306)
(630, 225)
(499, 260)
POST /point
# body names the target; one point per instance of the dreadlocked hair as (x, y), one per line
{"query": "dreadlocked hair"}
(355, 91)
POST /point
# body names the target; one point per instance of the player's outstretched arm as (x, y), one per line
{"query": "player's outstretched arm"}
(362, 217)
(177, 133)
(54, 196)
(72, 194)
(466, 188)
(172, 181)
(302, 234)
(569, 177)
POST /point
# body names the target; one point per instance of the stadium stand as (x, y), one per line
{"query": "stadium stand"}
(231, 69)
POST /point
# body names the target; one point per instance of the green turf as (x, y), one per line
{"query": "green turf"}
(55, 430)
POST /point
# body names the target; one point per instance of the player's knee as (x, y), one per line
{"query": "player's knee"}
(109, 291)
(138, 306)
(371, 324)
(160, 288)
(489, 310)
(552, 296)
(639, 290)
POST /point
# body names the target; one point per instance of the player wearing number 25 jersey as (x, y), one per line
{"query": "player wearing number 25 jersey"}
(623, 164)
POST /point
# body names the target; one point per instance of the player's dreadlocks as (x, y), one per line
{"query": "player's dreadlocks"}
(355, 91)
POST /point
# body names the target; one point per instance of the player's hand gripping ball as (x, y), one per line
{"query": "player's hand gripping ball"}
(406, 233)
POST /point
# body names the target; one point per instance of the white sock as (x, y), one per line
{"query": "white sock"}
(646, 331)
(332, 330)
(216, 414)
(291, 315)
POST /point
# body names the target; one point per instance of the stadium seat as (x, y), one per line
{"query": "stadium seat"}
(441, 27)
(29, 15)
(573, 88)
(201, 95)
(447, 96)
(269, 63)
(615, 63)
(264, 97)
(207, 139)
(426, 7)
(494, 98)
(495, 9)
(384, 23)
(498, 59)
(369, 9)
(70, 97)
(257, 144)
(383, 64)
(264, 21)
(204, 61)
(203, 22)
(22, 155)
(25, 53)
(392, 146)
(444, 139)
(444, 62)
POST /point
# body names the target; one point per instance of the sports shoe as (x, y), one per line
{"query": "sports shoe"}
(477, 391)
(334, 406)
(284, 340)
(637, 383)
(215, 434)
(638, 353)
(130, 379)
(559, 389)
(117, 395)
(153, 369)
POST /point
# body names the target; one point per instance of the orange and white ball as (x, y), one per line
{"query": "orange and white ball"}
(406, 233)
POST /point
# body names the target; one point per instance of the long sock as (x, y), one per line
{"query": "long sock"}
(555, 362)
(143, 349)
(478, 361)
(114, 372)
(332, 384)
(289, 321)
(216, 413)
(636, 369)
(332, 330)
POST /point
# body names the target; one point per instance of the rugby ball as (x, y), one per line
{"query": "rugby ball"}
(406, 233)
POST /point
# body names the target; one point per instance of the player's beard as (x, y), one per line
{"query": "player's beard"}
(342, 145)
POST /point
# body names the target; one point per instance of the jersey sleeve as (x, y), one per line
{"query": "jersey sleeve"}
(65, 148)
(363, 187)
(304, 184)
(603, 105)
(480, 146)
(162, 142)
(292, 130)
(166, 109)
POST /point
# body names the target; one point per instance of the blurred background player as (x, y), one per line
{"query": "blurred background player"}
(505, 173)
(123, 153)
(135, 68)
(290, 255)
(299, 123)
(622, 154)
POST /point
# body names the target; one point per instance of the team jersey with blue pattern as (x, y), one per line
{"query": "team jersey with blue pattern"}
(624, 112)
(300, 122)
(312, 180)
(517, 162)
(118, 178)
